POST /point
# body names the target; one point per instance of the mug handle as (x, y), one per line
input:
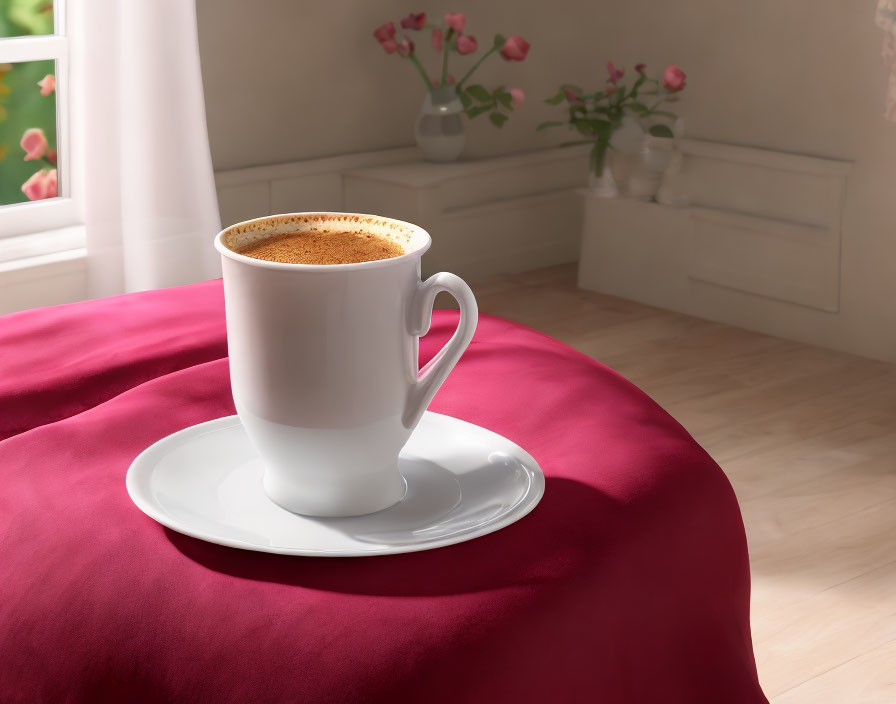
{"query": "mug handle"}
(431, 376)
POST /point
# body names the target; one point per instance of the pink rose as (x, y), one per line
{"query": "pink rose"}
(674, 79)
(437, 39)
(640, 67)
(51, 156)
(405, 47)
(466, 44)
(517, 97)
(615, 73)
(413, 21)
(50, 184)
(34, 143)
(449, 79)
(41, 185)
(47, 84)
(515, 48)
(457, 22)
(571, 95)
(390, 45)
(386, 33)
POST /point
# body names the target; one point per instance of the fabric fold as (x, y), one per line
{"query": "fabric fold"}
(62, 360)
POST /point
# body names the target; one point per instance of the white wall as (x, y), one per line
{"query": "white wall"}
(798, 76)
(290, 80)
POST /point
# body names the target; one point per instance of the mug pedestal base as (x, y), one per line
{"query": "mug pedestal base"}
(357, 498)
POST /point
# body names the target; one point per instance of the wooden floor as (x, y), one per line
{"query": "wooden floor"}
(806, 436)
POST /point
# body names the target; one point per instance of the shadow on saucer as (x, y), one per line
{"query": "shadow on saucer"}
(556, 541)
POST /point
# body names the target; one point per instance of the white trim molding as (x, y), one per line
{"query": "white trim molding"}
(487, 217)
(43, 280)
(314, 184)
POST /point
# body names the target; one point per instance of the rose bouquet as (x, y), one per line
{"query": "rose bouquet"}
(31, 122)
(597, 115)
(448, 37)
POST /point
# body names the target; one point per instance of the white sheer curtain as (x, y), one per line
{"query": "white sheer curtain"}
(886, 20)
(150, 205)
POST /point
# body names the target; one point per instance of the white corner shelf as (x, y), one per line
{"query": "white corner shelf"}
(759, 245)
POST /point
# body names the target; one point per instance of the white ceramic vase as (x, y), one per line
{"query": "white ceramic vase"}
(673, 187)
(440, 128)
(654, 158)
(624, 157)
(603, 186)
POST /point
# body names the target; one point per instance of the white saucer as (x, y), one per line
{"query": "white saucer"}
(463, 482)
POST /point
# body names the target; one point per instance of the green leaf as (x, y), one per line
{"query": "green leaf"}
(498, 119)
(478, 110)
(31, 15)
(661, 131)
(497, 91)
(548, 125)
(479, 92)
(637, 107)
(465, 99)
(557, 98)
(506, 100)
(499, 40)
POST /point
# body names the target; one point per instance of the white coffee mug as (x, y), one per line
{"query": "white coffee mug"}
(323, 361)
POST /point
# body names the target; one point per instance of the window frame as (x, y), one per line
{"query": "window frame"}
(66, 210)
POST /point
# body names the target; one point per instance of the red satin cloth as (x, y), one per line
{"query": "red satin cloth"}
(628, 583)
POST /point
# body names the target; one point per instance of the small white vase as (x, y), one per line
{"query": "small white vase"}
(624, 157)
(655, 156)
(603, 186)
(673, 188)
(440, 128)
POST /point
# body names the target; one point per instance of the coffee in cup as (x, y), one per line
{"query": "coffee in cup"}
(323, 247)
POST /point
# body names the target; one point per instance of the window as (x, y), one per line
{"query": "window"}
(37, 188)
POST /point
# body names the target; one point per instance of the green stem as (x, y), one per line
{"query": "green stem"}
(460, 83)
(599, 157)
(445, 38)
(656, 105)
(413, 59)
